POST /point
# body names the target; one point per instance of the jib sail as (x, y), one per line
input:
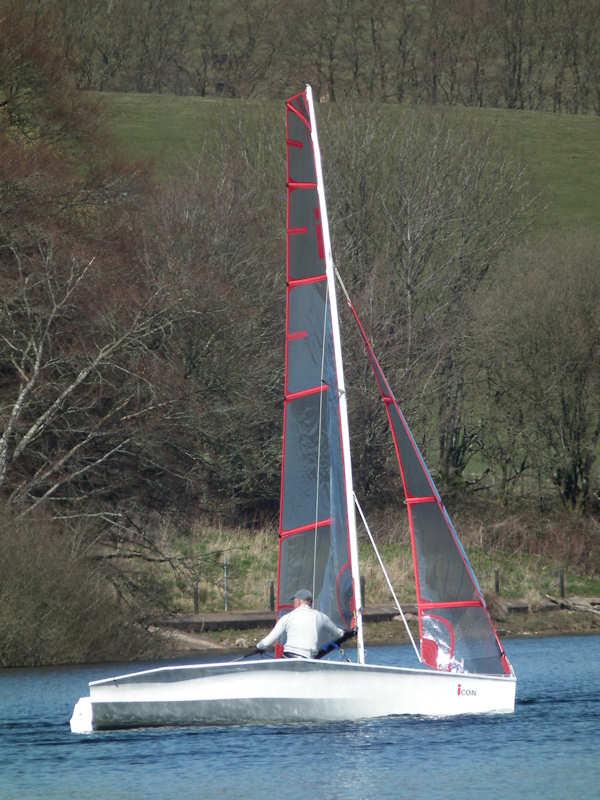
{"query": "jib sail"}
(455, 628)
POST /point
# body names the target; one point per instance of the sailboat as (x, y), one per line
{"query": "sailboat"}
(461, 665)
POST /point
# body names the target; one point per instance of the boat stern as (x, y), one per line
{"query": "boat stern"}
(82, 719)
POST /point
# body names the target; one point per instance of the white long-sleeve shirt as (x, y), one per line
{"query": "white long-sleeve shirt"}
(303, 631)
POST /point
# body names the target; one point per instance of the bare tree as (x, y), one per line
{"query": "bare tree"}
(420, 216)
(63, 354)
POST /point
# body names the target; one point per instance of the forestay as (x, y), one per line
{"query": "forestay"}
(455, 628)
(316, 517)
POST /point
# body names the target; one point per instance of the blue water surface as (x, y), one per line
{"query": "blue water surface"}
(549, 749)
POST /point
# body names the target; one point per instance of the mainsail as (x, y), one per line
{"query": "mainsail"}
(317, 544)
(455, 628)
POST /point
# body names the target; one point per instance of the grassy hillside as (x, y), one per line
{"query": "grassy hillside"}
(562, 157)
(561, 153)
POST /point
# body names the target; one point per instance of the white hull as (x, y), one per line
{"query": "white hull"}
(284, 690)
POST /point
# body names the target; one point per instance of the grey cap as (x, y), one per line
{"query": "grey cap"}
(303, 594)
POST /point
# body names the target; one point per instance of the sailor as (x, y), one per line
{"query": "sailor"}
(302, 630)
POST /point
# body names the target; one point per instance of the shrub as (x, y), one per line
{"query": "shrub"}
(55, 604)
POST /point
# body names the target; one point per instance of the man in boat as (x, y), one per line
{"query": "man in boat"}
(303, 630)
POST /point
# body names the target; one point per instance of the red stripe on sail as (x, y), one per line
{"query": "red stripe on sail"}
(293, 185)
(311, 526)
(416, 500)
(293, 282)
(305, 392)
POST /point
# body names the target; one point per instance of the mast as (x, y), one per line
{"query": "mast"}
(343, 408)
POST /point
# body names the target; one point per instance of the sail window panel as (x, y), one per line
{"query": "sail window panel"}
(306, 312)
(415, 476)
(301, 161)
(304, 259)
(305, 252)
(303, 209)
(465, 640)
(304, 461)
(304, 557)
(443, 574)
(317, 560)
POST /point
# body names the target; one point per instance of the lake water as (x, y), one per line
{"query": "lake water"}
(548, 750)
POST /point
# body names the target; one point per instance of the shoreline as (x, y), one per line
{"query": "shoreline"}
(175, 643)
(168, 643)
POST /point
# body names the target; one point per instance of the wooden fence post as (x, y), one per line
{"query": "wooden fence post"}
(561, 581)
(363, 590)
(225, 586)
(497, 581)
(272, 596)
(196, 597)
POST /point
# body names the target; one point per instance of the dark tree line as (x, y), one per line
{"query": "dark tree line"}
(533, 54)
(141, 326)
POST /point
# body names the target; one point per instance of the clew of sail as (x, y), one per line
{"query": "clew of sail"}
(455, 628)
(315, 529)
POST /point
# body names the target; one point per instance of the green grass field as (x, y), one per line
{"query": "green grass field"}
(169, 129)
(561, 153)
(562, 156)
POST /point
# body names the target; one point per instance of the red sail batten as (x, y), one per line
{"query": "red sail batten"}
(323, 523)
(293, 282)
(293, 185)
(416, 500)
(289, 398)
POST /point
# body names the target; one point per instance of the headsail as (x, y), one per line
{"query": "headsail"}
(455, 628)
(317, 545)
